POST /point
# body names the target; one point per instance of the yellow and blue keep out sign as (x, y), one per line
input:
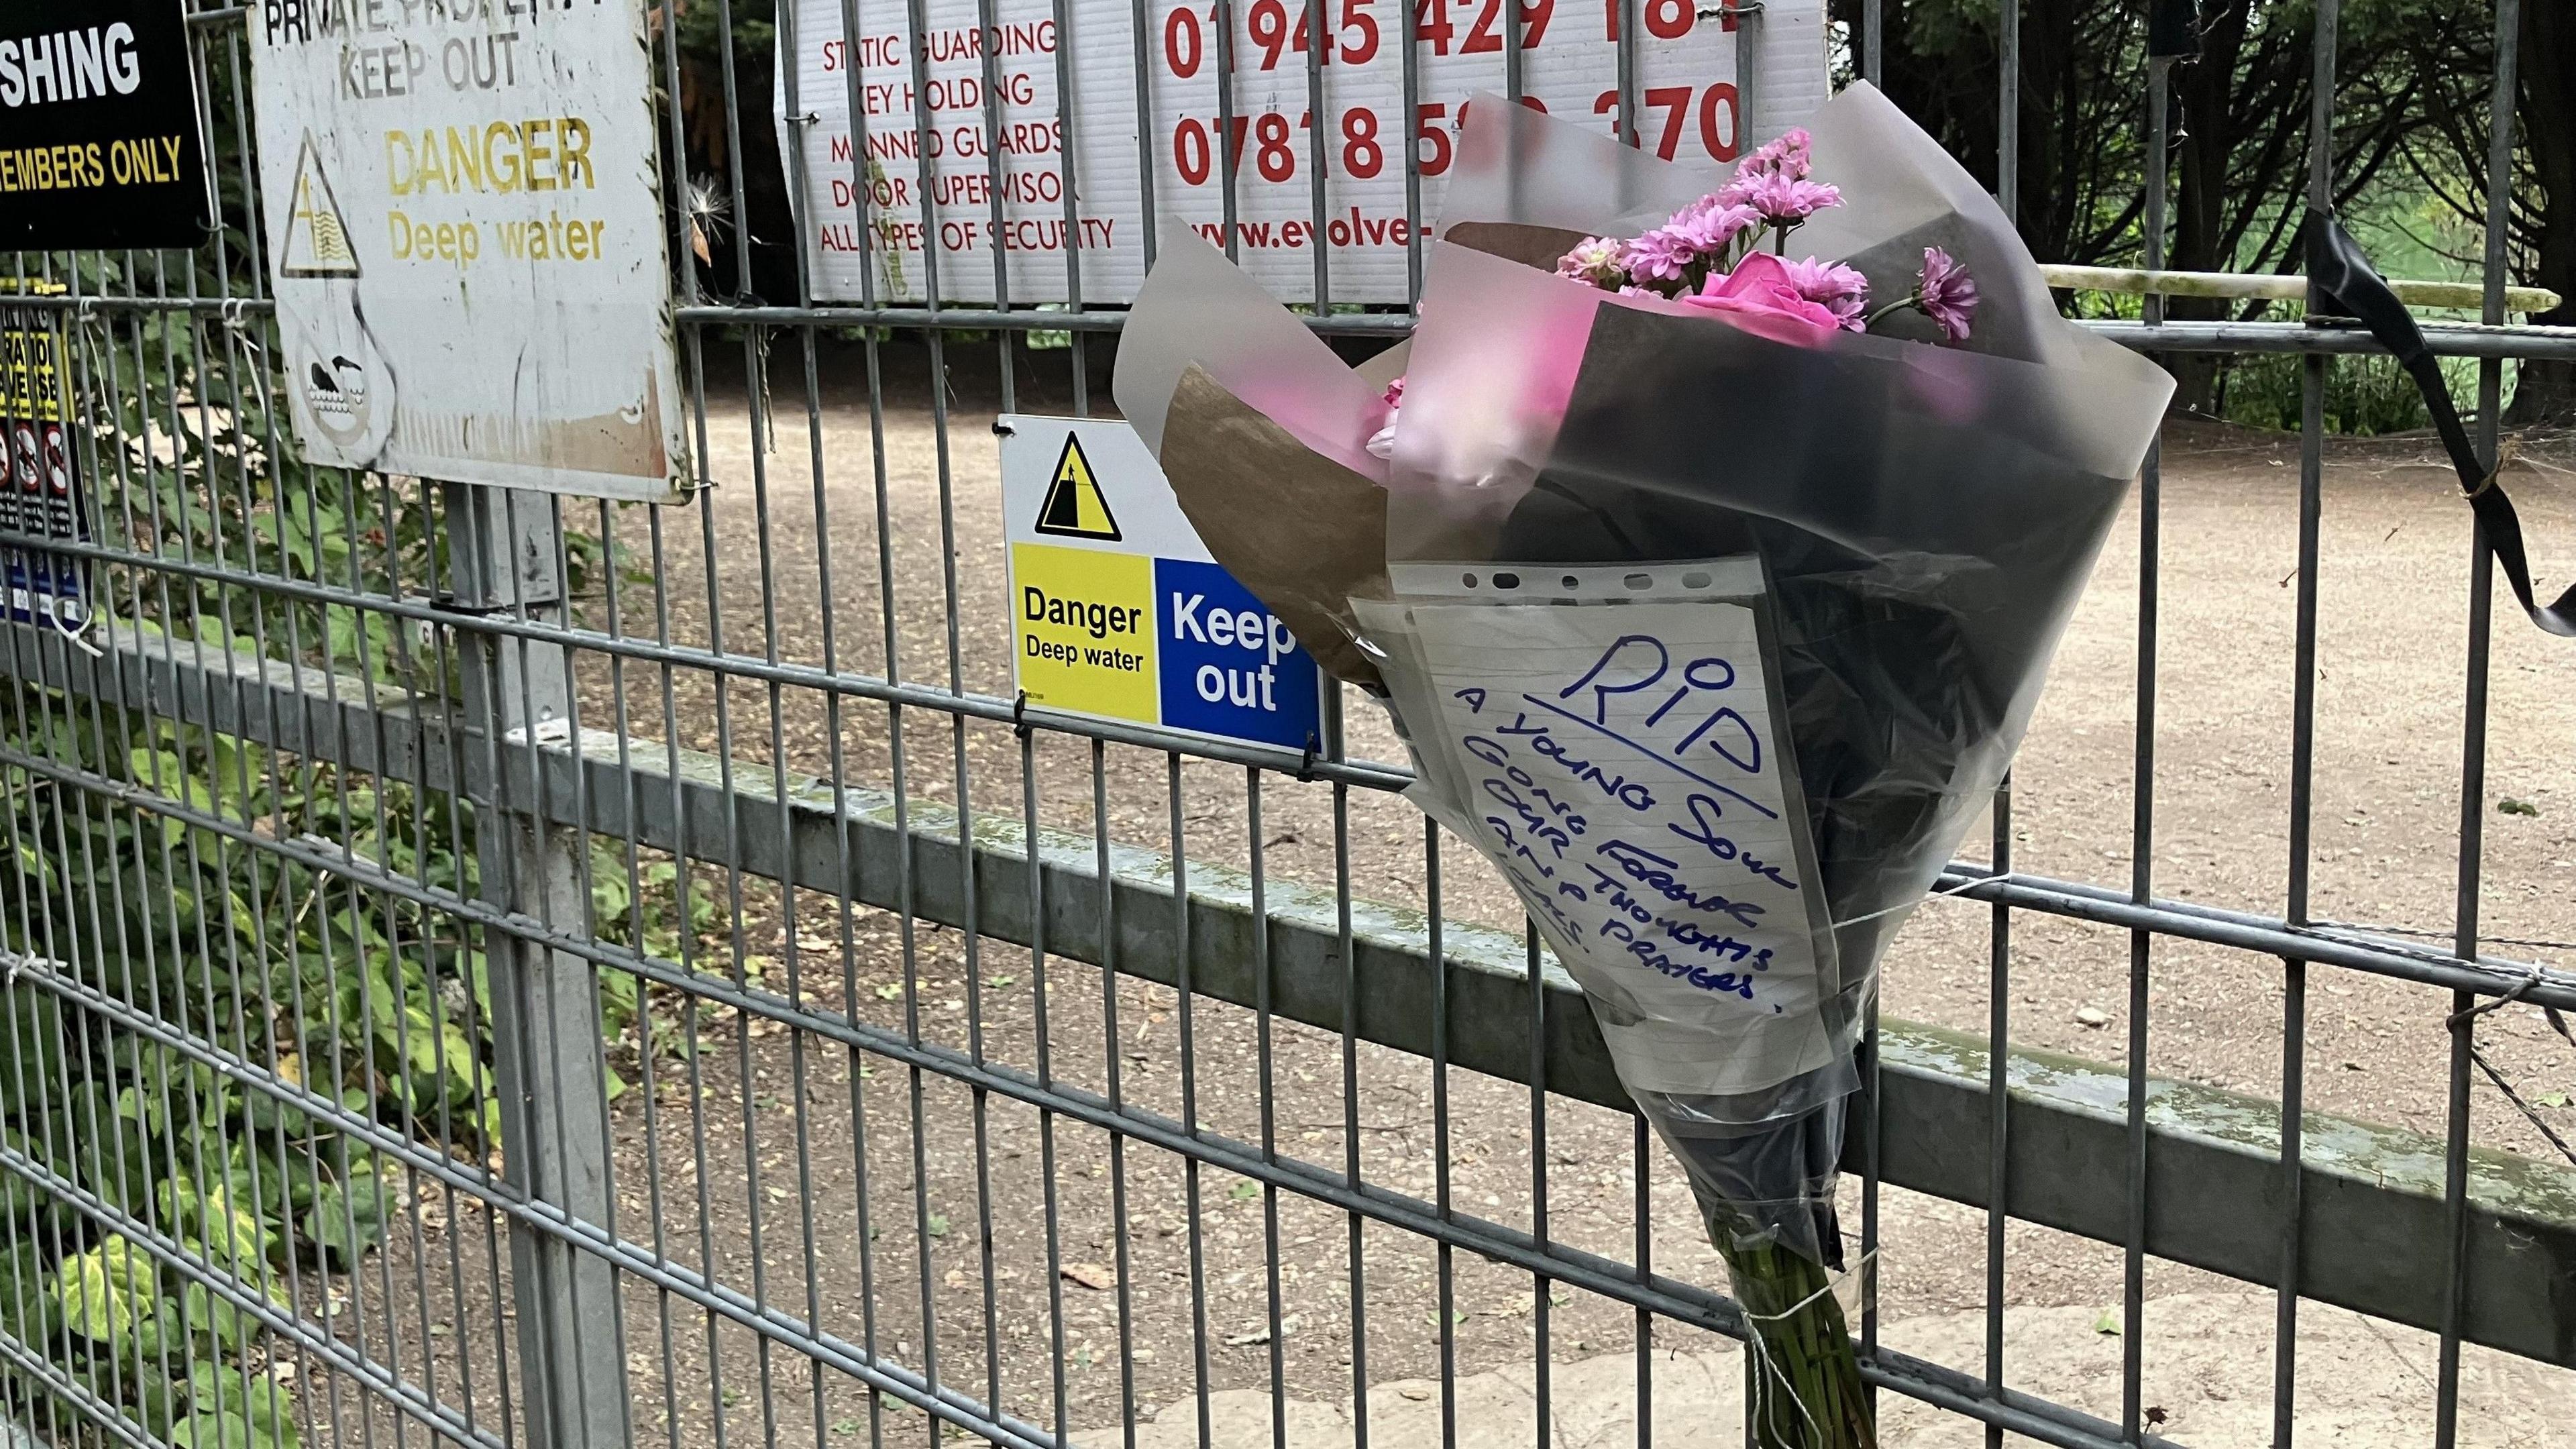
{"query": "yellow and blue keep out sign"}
(1117, 610)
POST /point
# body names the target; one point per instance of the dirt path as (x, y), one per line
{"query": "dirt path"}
(751, 1137)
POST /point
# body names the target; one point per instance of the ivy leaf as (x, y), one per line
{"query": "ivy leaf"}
(349, 1217)
(105, 1293)
(233, 1236)
(214, 1431)
(260, 1405)
(31, 1027)
(23, 1281)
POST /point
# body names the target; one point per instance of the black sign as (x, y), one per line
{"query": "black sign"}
(98, 127)
(40, 482)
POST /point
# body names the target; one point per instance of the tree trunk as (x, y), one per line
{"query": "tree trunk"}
(2201, 157)
(2545, 392)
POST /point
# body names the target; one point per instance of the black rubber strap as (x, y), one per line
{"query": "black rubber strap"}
(2348, 286)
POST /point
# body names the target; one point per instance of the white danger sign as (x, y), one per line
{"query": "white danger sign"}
(1118, 612)
(1088, 193)
(465, 222)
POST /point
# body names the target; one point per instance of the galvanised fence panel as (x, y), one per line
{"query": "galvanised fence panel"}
(488, 967)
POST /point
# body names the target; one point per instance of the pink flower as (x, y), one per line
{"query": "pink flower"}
(1708, 224)
(1381, 444)
(1946, 293)
(1835, 287)
(1786, 156)
(1594, 259)
(1783, 199)
(1661, 255)
(1762, 297)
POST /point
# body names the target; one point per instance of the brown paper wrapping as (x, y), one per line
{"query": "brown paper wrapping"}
(1299, 530)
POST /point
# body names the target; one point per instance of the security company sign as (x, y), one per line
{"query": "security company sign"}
(1117, 610)
(98, 126)
(465, 219)
(981, 129)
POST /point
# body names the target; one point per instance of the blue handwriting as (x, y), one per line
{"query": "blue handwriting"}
(1655, 873)
(1726, 982)
(1704, 811)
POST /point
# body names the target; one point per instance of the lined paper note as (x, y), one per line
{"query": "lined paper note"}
(1617, 759)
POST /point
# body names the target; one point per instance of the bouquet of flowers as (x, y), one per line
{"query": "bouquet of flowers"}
(1708, 542)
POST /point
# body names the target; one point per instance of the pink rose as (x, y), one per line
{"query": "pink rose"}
(1761, 296)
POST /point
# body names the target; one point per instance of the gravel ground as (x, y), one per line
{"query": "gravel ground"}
(747, 1137)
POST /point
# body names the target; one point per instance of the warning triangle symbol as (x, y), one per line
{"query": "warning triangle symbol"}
(317, 236)
(1075, 506)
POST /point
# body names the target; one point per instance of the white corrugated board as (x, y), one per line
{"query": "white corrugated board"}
(465, 229)
(1686, 80)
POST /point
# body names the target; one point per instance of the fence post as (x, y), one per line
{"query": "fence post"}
(503, 547)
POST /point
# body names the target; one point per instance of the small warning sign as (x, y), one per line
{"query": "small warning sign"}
(1118, 612)
(1074, 507)
(317, 236)
(41, 503)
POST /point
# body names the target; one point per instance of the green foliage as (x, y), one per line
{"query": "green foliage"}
(149, 877)
(2362, 395)
(163, 871)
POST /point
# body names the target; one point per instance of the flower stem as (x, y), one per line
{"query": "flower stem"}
(1915, 300)
(1806, 1380)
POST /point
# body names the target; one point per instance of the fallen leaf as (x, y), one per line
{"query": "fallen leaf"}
(1242, 1190)
(2107, 1323)
(2510, 806)
(1415, 1392)
(938, 1225)
(2155, 1414)
(1095, 1276)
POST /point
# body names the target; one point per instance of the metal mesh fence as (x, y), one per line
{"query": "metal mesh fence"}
(488, 967)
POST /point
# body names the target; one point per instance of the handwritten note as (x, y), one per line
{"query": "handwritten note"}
(1609, 744)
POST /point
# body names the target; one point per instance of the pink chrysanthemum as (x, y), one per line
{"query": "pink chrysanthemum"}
(1661, 255)
(1841, 290)
(1784, 200)
(1708, 225)
(1395, 393)
(1594, 259)
(1787, 156)
(1946, 293)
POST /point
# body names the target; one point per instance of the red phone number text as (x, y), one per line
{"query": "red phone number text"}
(1354, 41)
(1664, 120)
